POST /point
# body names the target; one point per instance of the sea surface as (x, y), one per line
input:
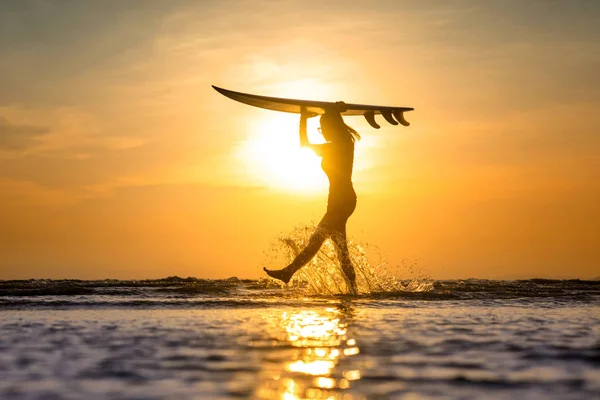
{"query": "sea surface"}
(190, 338)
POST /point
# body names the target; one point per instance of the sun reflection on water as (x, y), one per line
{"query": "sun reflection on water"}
(317, 366)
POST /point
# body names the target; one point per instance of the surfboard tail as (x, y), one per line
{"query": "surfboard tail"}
(370, 117)
(399, 115)
(387, 114)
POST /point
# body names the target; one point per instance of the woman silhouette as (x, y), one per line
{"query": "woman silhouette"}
(337, 160)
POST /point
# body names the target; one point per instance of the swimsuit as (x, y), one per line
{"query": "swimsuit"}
(337, 164)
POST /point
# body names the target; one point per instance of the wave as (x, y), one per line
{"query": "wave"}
(319, 280)
(189, 288)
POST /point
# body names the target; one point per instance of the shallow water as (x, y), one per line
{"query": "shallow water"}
(177, 338)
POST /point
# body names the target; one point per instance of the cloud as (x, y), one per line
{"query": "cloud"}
(19, 137)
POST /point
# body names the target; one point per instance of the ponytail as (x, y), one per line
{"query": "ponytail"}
(338, 122)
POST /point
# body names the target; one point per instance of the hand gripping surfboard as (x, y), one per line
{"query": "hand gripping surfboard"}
(393, 115)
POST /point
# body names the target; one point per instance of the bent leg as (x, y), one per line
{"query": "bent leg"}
(341, 245)
(313, 246)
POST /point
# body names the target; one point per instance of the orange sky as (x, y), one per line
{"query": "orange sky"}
(118, 160)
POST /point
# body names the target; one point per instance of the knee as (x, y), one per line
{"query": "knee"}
(318, 237)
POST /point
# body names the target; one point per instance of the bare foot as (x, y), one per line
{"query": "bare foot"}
(280, 274)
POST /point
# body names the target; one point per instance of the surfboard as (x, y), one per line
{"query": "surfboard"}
(393, 115)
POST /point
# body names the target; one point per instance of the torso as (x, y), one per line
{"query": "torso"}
(337, 164)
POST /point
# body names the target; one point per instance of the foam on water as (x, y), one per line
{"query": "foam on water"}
(323, 274)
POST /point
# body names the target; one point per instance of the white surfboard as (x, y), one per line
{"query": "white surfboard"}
(393, 115)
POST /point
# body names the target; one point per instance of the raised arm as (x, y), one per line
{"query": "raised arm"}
(303, 134)
(319, 149)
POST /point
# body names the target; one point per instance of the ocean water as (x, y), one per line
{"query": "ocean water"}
(229, 339)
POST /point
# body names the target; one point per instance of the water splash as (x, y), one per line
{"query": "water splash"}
(323, 275)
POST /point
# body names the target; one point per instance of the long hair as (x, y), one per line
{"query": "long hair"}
(335, 120)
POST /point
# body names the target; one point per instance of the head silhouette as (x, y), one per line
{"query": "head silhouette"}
(334, 129)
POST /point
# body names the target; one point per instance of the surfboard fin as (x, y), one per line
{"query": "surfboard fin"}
(370, 117)
(387, 114)
(399, 115)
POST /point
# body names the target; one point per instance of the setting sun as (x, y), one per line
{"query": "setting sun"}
(274, 158)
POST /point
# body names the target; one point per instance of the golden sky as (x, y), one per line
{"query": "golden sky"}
(118, 160)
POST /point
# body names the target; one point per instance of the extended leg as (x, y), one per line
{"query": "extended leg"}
(341, 245)
(313, 246)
